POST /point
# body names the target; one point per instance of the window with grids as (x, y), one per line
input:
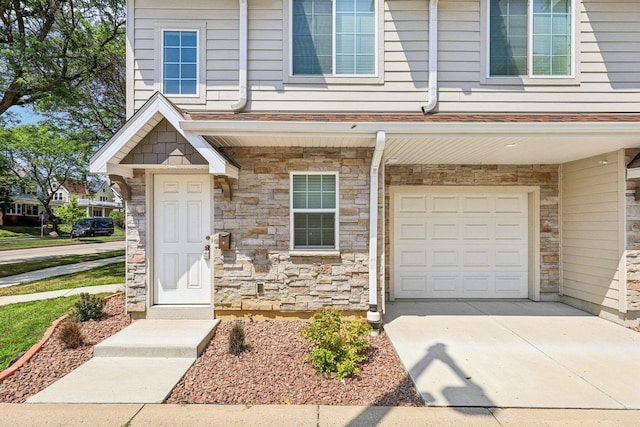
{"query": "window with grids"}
(314, 203)
(14, 209)
(530, 38)
(180, 62)
(334, 37)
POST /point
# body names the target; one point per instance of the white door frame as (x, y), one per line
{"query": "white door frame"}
(533, 237)
(150, 206)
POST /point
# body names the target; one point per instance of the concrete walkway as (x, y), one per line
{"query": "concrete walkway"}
(137, 415)
(140, 364)
(19, 255)
(46, 273)
(515, 354)
(13, 299)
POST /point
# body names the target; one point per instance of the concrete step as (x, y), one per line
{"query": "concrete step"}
(180, 312)
(117, 380)
(159, 338)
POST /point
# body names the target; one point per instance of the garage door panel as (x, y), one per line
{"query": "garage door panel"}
(413, 258)
(445, 231)
(476, 283)
(444, 204)
(444, 286)
(412, 204)
(511, 204)
(445, 258)
(477, 204)
(511, 230)
(474, 258)
(411, 286)
(412, 231)
(510, 285)
(477, 230)
(461, 246)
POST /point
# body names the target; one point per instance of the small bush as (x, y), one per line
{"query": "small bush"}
(88, 307)
(236, 339)
(70, 333)
(338, 345)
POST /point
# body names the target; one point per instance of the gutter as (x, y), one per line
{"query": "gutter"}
(373, 315)
(242, 53)
(433, 58)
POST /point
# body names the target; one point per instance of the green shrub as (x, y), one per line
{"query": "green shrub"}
(70, 333)
(236, 339)
(88, 307)
(339, 346)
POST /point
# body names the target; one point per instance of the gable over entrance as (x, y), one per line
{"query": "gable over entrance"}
(113, 158)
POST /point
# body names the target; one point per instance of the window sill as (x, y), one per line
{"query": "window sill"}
(530, 81)
(333, 80)
(314, 253)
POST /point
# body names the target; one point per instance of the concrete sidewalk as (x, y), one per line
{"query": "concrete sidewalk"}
(61, 293)
(46, 273)
(137, 415)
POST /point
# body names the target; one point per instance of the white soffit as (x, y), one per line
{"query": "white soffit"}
(436, 143)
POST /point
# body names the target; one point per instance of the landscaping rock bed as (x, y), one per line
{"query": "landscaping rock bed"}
(271, 371)
(54, 361)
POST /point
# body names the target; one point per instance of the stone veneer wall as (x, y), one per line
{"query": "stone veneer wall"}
(544, 176)
(633, 239)
(136, 244)
(258, 219)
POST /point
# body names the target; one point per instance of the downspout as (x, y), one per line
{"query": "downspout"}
(433, 58)
(373, 315)
(242, 69)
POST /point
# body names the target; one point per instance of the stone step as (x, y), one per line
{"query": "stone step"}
(159, 338)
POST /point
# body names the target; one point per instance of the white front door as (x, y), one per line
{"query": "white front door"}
(460, 245)
(181, 223)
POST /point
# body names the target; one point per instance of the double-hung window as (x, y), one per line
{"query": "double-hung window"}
(530, 38)
(314, 204)
(179, 62)
(334, 37)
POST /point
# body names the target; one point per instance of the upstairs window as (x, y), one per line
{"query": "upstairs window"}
(530, 38)
(314, 201)
(179, 62)
(58, 196)
(334, 37)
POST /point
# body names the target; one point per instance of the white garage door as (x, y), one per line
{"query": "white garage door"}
(463, 245)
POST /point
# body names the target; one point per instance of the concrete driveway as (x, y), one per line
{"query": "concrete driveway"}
(515, 354)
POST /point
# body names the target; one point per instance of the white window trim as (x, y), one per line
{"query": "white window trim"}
(487, 79)
(200, 29)
(317, 251)
(287, 35)
(14, 209)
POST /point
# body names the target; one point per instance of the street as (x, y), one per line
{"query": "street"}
(19, 255)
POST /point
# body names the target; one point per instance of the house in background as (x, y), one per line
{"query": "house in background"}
(26, 208)
(287, 155)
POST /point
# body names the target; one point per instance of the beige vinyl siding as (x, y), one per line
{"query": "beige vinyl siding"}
(608, 53)
(591, 247)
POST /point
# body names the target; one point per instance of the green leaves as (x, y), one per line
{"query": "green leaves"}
(339, 346)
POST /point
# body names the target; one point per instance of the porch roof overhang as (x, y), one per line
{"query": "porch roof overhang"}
(107, 159)
(433, 139)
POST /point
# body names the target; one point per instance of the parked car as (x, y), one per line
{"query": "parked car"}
(90, 227)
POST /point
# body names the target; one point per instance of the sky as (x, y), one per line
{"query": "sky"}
(25, 115)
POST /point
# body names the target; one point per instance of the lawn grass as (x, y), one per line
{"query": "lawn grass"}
(23, 324)
(9, 243)
(26, 266)
(18, 231)
(104, 275)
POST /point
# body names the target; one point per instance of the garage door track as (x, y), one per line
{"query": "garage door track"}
(515, 354)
